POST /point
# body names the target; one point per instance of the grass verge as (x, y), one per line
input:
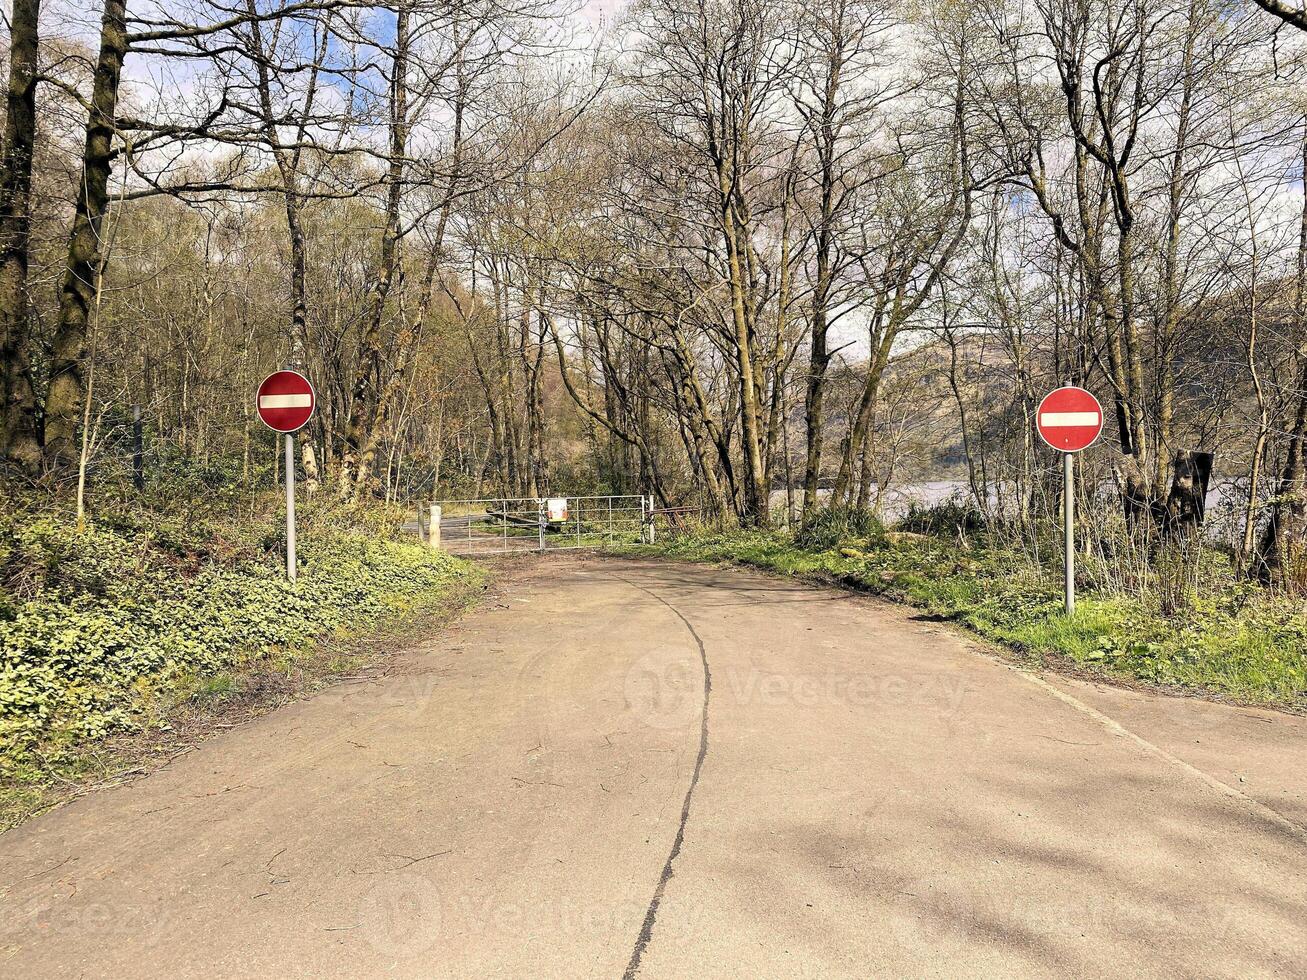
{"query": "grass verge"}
(1239, 645)
(125, 641)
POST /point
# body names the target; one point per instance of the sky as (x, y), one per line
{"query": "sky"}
(599, 13)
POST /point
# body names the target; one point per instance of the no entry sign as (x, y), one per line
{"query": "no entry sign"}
(285, 401)
(1069, 419)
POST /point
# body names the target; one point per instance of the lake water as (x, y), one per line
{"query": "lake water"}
(1224, 501)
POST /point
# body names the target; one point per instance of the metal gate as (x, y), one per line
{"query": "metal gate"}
(503, 525)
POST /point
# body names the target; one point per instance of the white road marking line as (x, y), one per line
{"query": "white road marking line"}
(285, 401)
(1264, 811)
(1055, 419)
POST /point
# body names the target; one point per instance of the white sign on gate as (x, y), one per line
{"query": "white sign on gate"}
(556, 508)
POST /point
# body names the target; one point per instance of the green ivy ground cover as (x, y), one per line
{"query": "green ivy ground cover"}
(100, 625)
(1237, 642)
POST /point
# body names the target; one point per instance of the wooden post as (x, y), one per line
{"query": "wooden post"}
(433, 528)
(138, 450)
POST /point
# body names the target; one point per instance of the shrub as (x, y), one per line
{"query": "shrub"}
(950, 517)
(832, 526)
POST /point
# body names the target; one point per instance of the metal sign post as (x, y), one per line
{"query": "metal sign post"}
(285, 402)
(1069, 419)
(1069, 515)
(290, 506)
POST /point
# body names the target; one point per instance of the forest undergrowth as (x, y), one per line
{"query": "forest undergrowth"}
(146, 612)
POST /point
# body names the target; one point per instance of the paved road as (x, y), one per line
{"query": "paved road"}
(552, 788)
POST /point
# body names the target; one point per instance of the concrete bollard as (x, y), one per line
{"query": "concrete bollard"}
(433, 534)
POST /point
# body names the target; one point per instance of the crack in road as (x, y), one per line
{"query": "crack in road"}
(651, 914)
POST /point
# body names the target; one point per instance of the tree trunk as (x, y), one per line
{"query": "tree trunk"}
(289, 171)
(1169, 322)
(701, 441)
(356, 459)
(855, 445)
(819, 354)
(66, 391)
(19, 439)
(815, 401)
(1186, 503)
(755, 495)
(881, 337)
(1282, 543)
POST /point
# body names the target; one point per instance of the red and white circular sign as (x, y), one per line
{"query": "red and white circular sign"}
(1069, 419)
(285, 401)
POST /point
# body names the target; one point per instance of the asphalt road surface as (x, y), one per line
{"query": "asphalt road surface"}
(635, 768)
